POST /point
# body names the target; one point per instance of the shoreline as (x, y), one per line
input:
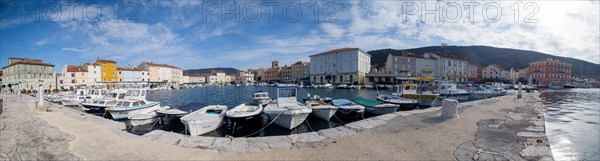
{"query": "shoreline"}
(413, 135)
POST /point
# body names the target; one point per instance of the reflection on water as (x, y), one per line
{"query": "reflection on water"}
(572, 123)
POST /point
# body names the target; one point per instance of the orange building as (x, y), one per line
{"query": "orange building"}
(108, 70)
(550, 71)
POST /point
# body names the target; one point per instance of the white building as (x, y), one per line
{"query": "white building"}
(73, 76)
(452, 68)
(244, 77)
(25, 73)
(344, 65)
(219, 78)
(406, 64)
(131, 74)
(163, 73)
(494, 71)
(93, 74)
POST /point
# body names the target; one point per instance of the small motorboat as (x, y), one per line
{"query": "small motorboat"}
(126, 108)
(146, 116)
(348, 108)
(449, 90)
(261, 98)
(405, 103)
(321, 109)
(286, 111)
(243, 114)
(171, 112)
(204, 120)
(480, 92)
(376, 107)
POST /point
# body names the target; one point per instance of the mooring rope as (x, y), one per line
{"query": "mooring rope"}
(273, 120)
(339, 119)
(308, 123)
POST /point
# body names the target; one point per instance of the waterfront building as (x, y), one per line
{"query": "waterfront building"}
(494, 71)
(272, 74)
(344, 65)
(163, 73)
(258, 74)
(94, 73)
(513, 75)
(379, 76)
(300, 70)
(218, 77)
(474, 72)
(195, 78)
(26, 73)
(523, 73)
(131, 74)
(244, 77)
(452, 68)
(108, 70)
(405, 64)
(1, 77)
(548, 71)
(285, 74)
(73, 76)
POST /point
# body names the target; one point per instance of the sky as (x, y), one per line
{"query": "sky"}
(250, 34)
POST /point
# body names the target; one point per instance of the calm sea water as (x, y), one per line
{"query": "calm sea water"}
(195, 98)
(572, 123)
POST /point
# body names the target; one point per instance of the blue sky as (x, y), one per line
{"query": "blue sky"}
(201, 34)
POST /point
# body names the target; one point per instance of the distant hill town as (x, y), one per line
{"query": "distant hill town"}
(486, 55)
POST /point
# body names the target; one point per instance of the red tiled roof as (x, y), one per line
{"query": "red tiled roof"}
(73, 68)
(101, 61)
(272, 69)
(27, 61)
(337, 51)
(159, 65)
(1, 73)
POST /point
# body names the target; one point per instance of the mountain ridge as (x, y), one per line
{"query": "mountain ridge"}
(486, 55)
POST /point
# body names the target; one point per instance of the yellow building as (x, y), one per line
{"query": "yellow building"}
(108, 70)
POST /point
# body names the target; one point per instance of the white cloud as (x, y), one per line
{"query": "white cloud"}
(42, 42)
(74, 50)
(333, 30)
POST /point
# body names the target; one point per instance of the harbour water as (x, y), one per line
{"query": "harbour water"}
(572, 123)
(192, 99)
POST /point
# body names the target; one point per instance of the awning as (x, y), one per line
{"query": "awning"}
(424, 78)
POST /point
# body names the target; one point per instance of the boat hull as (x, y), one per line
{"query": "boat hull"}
(197, 128)
(381, 110)
(94, 109)
(408, 106)
(70, 102)
(459, 97)
(123, 114)
(288, 121)
(138, 122)
(349, 114)
(424, 100)
(324, 113)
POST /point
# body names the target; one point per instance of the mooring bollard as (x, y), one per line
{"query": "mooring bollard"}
(449, 108)
(519, 93)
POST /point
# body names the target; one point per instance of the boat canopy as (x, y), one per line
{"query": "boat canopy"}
(366, 102)
(341, 102)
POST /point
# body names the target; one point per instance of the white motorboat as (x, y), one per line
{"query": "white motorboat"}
(286, 111)
(376, 107)
(261, 98)
(405, 103)
(204, 120)
(110, 99)
(145, 116)
(341, 86)
(481, 92)
(321, 107)
(126, 108)
(244, 113)
(448, 90)
(172, 112)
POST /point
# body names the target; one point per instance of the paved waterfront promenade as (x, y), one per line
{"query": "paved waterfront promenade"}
(499, 128)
